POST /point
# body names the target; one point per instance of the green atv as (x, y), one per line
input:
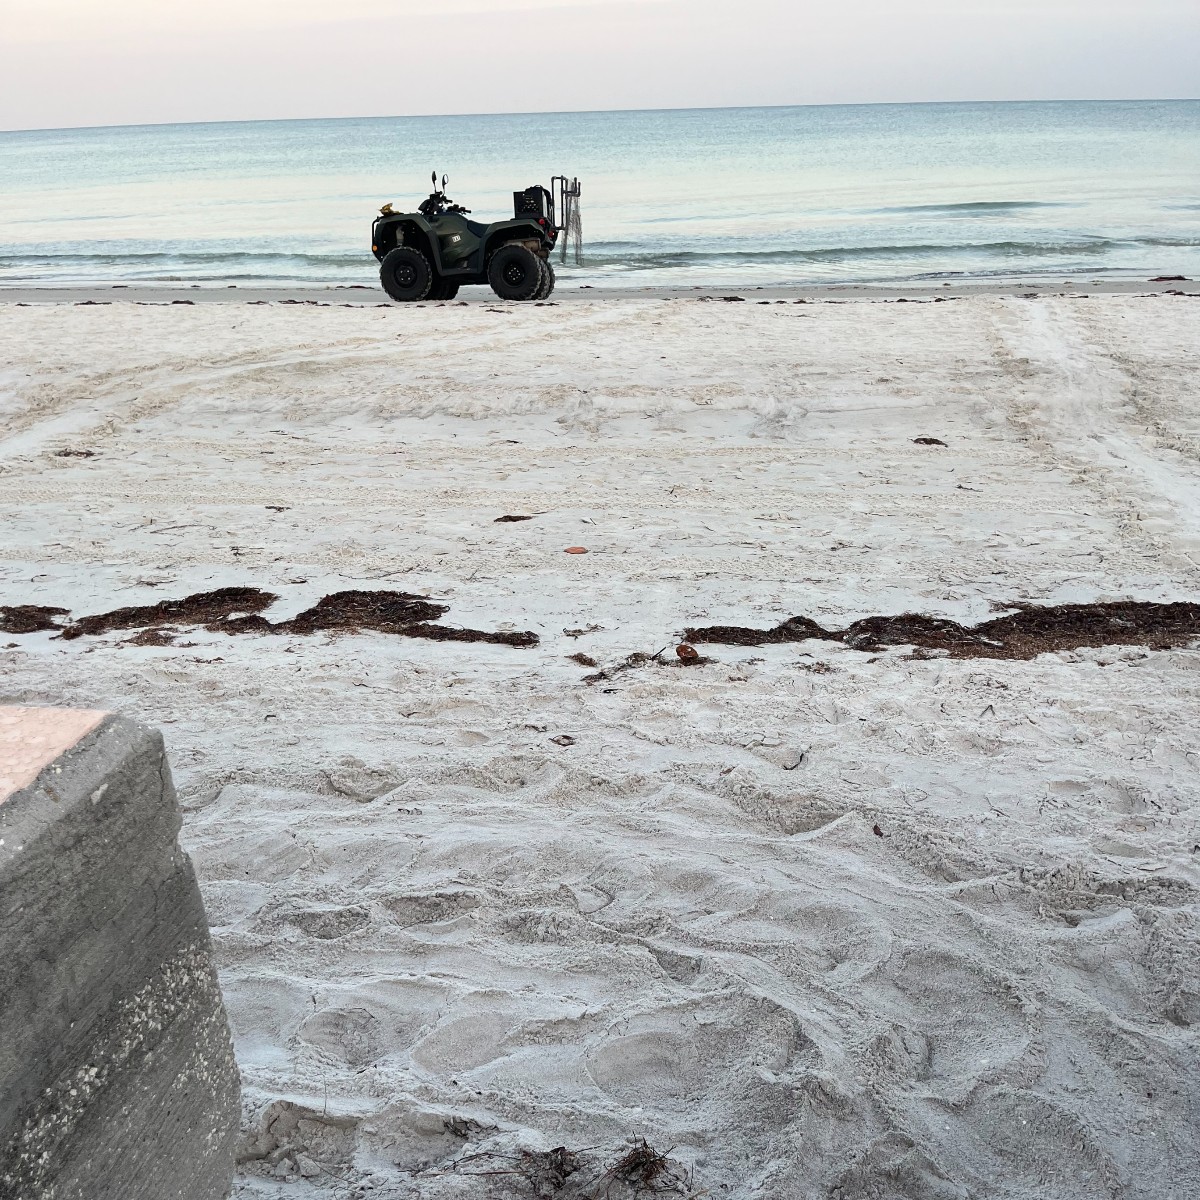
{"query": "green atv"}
(429, 254)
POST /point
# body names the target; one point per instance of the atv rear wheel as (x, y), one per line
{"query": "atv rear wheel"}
(515, 273)
(547, 288)
(443, 289)
(406, 274)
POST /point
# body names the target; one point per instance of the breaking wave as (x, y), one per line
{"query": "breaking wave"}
(973, 208)
(606, 260)
(610, 253)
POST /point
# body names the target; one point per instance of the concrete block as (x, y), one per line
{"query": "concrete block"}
(117, 1077)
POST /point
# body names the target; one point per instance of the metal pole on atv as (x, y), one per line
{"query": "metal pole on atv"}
(565, 202)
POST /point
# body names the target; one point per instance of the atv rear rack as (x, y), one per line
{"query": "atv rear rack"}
(564, 201)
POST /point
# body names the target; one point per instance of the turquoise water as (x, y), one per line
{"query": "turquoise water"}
(753, 195)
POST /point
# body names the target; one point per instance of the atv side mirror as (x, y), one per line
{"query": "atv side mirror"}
(434, 178)
(444, 182)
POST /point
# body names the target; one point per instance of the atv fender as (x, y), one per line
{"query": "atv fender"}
(535, 244)
(416, 232)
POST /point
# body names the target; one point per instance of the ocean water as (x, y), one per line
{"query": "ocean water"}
(845, 193)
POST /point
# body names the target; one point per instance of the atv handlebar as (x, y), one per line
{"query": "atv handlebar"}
(438, 203)
(434, 205)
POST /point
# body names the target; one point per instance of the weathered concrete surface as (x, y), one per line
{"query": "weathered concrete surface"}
(32, 738)
(117, 1078)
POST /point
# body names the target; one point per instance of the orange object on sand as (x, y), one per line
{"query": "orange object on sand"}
(576, 550)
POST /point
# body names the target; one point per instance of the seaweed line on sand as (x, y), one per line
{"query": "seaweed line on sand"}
(238, 610)
(1029, 631)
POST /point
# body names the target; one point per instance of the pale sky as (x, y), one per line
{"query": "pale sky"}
(108, 62)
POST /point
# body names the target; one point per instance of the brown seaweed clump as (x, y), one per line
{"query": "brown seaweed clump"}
(29, 618)
(203, 608)
(239, 610)
(1029, 631)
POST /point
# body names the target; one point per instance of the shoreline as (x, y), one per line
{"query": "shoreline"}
(363, 294)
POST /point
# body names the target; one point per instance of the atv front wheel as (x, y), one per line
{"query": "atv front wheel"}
(515, 273)
(406, 274)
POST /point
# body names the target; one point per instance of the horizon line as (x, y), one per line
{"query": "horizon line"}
(589, 112)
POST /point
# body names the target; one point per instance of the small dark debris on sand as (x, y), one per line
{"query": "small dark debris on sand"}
(639, 659)
(157, 635)
(640, 1171)
(928, 441)
(1029, 631)
(584, 660)
(1169, 279)
(68, 452)
(644, 1169)
(239, 610)
(547, 1171)
(631, 661)
(29, 618)
(819, 668)
(542, 1172)
(508, 517)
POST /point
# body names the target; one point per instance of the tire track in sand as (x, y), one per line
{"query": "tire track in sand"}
(1076, 401)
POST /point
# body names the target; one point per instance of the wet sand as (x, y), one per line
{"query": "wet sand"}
(568, 293)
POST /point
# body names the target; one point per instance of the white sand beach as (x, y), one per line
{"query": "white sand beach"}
(812, 921)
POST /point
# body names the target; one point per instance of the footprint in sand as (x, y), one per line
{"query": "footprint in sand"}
(372, 1021)
(431, 907)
